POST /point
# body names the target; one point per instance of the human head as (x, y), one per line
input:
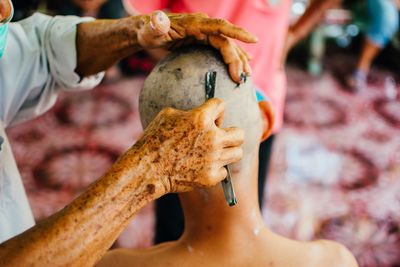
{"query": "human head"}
(6, 14)
(179, 81)
(89, 5)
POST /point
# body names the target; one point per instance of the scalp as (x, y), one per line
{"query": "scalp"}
(178, 81)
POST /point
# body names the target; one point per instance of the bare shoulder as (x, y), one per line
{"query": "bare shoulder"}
(150, 257)
(333, 254)
(122, 258)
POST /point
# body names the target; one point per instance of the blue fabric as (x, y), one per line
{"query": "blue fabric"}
(383, 22)
(260, 96)
(3, 38)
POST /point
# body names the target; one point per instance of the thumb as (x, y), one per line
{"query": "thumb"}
(159, 24)
(152, 27)
(213, 111)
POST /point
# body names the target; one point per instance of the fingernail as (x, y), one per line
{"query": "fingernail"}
(243, 77)
(159, 22)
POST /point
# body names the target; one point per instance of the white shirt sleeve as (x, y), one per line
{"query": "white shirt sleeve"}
(39, 61)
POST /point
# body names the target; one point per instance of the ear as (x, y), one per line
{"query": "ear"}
(268, 118)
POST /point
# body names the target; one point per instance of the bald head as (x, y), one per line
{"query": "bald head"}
(178, 81)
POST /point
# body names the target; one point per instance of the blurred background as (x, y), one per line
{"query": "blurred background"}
(335, 169)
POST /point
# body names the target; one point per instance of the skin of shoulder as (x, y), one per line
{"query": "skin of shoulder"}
(333, 254)
(317, 253)
(123, 257)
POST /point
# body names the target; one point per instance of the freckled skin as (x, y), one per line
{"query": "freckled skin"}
(101, 43)
(179, 150)
(82, 232)
(215, 234)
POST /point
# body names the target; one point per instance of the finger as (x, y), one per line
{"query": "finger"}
(245, 62)
(175, 34)
(248, 56)
(212, 110)
(160, 22)
(221, 174)
(231, 137)
(236, 70)
(231, 155)
(201, 14)
(220, 119)
(178, 28)
(153, 28)
(229, 54)
(221, 26)
(199, 36)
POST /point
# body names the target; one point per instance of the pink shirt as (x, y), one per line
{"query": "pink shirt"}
(267, 19)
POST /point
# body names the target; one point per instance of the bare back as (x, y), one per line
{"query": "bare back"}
(216, 234)
(270, 250)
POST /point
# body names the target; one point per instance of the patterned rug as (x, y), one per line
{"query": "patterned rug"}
(336, 167)
(335, 170)
(60, 153)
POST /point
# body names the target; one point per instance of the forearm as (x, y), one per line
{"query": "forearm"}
(101, 43)
(82, 232)
(311, 18)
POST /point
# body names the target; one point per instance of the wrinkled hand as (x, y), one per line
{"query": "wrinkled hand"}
(188, 149)
(172, 30)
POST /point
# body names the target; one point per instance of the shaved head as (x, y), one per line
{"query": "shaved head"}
(178, 81)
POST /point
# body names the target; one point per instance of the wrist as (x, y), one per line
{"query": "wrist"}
(129, 32)
(136, 29)
(139, 165)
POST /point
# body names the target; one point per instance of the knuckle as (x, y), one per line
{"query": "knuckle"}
(221, 22)
(222, 173)
(226, 42)
(212, 138)
(168, 111)
(215, 175)
(205, 15)
(197, 115)
(203, 119)
(200, 14)
(240, 133)
(239, 153)
(218, 102)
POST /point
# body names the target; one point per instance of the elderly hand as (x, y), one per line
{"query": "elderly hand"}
(162, 30)
(188, 149)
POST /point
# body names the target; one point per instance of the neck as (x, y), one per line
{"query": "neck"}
(207, 215)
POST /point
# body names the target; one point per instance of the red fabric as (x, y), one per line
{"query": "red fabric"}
(269, 22)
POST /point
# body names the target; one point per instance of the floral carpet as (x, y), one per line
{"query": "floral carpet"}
(336, 167)
(335, 170)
